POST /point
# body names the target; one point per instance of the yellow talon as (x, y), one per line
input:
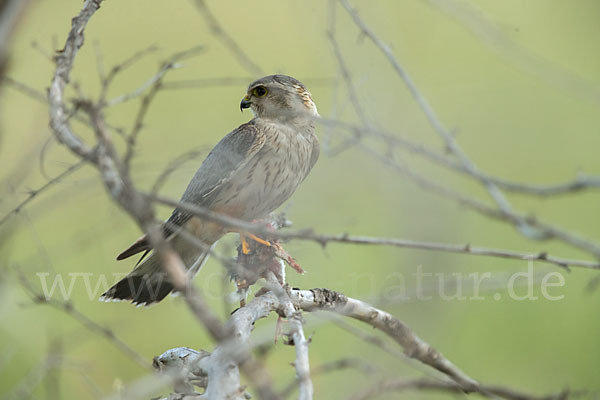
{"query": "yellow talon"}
(257, 239)
(246, 246)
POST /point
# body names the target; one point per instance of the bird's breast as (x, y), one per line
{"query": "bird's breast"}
(272, 175)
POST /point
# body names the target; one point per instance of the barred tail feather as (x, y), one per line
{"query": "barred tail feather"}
(148, 282)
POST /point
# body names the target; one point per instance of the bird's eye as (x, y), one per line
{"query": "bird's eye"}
(260, 91)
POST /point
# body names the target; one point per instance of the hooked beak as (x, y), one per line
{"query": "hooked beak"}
(245, 103)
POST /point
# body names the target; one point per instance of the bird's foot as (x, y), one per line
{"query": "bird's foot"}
(244, 236)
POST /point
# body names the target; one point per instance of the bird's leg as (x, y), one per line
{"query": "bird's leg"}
(245, 246)
(257, 239)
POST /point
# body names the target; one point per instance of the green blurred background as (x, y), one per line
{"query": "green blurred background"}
(518, 81)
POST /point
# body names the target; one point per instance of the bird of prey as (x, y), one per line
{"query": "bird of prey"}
(247, 175)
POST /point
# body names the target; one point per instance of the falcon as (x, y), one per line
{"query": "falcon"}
(251, 172)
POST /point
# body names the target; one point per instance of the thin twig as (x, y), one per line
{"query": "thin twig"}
(496, 37)
(427, 385)
(34, 193)
(45, 54)
(24, 389)
(345, 72)
(222, 35)
(382, 344)
(92, 326)
(530, 227)
(344, 238)
(579, 183)
(155, 84)
(296, 334)
(172, 166)
(106, 80)
(42, 98)
(205, 83)
(139, 119)
(451, 144)
(59, 119)
(333, 366)
(549, 231)
(138, 92)
(327, 300)
(25, 89)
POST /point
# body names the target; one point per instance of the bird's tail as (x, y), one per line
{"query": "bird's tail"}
(148, 282)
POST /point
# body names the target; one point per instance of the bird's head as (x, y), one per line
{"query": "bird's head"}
(278, 97)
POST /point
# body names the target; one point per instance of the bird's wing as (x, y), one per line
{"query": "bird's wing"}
(222, 163)
(230, 155)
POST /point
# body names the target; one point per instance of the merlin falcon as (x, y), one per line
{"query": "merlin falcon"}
(252, 171)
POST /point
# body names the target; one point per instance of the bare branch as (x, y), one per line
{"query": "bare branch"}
(244, 318)
(451, 145)
(345, 72)
(428, 385)
(24, 389)
(337, 365)
(155, 84)
(548, 231)
(92, 326)
(543, 229)
(220, 33)
(344, 238)
(302, 364)
(377, 341)
(153, 81)
(530, 227)
(106, 81)
(34, 193)
(185, 366)
(141, 114)
(64, 62)
(42, 98)
(43, 52)
(25, 89)
(492, 34)
(353, 97)
(580, 183)
(173, 166)
(221, 366)
(205, 83)
(301, 344)
(414, 347)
